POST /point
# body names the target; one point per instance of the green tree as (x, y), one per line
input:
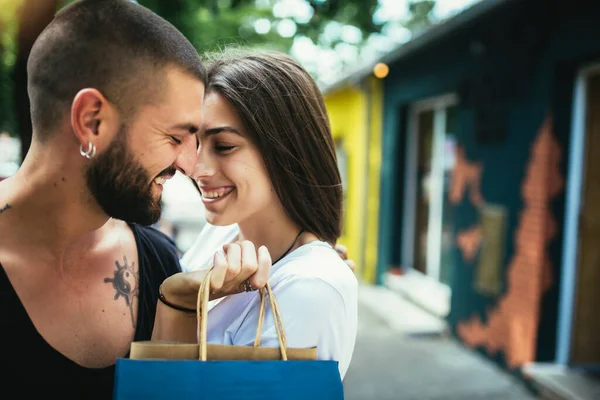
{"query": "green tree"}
(8, 28)
(420, 15)
(209, 24)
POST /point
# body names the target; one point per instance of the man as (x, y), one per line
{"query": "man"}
(116, 95)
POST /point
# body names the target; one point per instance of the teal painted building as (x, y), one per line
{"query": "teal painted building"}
(490, 179)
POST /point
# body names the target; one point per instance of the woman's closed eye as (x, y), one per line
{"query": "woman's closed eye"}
(224, 148)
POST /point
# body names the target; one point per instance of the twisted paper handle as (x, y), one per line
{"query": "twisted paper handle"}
(202, 315)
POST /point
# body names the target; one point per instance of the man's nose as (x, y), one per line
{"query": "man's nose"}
(186, 161)
(204, 165)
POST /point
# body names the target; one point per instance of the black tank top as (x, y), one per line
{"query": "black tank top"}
(35, 367)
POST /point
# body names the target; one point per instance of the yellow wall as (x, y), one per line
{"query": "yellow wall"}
(360, 136)
(375, 150)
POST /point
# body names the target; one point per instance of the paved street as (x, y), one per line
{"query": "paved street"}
(389, 364)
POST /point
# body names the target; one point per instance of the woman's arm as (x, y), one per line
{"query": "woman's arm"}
(174, 325)
(233, 266)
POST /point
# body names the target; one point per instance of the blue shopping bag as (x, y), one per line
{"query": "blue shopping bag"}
(227, 380)
(158, 370)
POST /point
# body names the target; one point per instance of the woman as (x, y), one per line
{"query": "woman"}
(267, 173)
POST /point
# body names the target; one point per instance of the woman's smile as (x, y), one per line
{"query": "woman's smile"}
(211, 195)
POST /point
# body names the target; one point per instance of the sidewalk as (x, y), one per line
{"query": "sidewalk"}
(404, 353)
(399, 313)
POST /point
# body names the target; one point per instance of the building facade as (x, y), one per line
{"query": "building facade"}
(488, 179)
(355, 113)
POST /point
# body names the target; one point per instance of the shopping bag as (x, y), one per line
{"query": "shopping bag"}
(168, 370)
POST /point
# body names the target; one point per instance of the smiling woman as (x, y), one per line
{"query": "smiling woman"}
(267, 173)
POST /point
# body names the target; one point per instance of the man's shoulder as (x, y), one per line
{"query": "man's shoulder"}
(153, 246)
(152, 239)
(154, 235)
(143, 235)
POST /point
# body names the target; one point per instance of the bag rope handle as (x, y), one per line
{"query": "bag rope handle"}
(202, 316)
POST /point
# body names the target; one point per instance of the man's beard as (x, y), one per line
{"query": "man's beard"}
(121, 186)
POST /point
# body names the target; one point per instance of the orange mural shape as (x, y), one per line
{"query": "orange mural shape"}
(512, 326)
(466, 175)
(468, 242)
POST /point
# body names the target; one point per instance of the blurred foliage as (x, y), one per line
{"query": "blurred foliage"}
(8, 28)
(210, 25)
(213, 24)
(420, 15)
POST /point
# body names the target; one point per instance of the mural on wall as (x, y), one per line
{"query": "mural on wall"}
(469, 241)
(466, 177)
(486, 237)
(511, 327)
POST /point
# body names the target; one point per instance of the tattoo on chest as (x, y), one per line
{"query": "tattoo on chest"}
(125, 282)
(6, 207)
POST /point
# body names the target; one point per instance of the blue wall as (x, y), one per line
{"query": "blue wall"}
(532, 57)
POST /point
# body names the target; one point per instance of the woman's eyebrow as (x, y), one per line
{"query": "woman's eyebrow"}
(220, 129)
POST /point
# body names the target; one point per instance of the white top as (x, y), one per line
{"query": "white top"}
(201, 253)
(317, 295)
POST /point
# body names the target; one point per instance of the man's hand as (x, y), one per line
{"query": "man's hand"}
(238, 267)
(343, 252)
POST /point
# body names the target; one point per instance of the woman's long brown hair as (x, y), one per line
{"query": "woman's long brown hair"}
(284, 114)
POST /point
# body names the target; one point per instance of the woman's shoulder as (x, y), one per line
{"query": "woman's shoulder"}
(316, 261)
(317, 256)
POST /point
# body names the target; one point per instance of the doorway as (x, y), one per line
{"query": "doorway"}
(585, 345)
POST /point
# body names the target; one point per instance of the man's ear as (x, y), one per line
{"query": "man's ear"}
(93, 118)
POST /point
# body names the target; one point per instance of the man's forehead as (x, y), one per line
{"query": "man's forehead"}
(180, 100)
(172, 116)
(174, 76)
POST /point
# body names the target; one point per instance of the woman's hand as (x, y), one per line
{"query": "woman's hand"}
(238, 267)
